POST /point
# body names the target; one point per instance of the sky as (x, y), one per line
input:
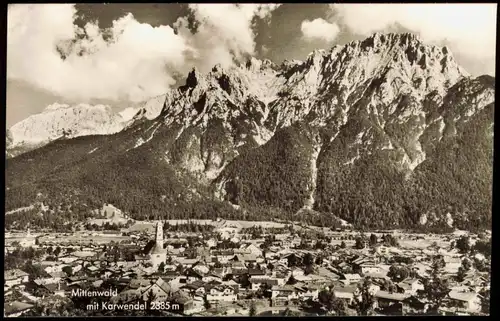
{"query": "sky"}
(122, 54)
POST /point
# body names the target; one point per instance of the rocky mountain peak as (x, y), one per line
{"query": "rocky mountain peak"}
(59, 121)
(391, 63)
(255, 65)
(193, 78)
(55, 106)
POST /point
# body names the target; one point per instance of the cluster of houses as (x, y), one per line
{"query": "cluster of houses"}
(226, 280)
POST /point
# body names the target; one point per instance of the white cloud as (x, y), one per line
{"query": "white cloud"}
(264, 10)
(139, 61)
(225, 32)
(319, 29)
(469, 28)
(131, 67)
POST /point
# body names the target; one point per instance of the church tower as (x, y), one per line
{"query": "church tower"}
(157, 253)
(159, 235)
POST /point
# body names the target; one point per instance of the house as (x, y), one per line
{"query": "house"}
(285, 243)
(307, 292)
(201, 268)
(177, 282)
(388, 301)
(377, 276)
(196, 288)
(421, 269)
(468, 301)
(220, 272)
(477, 281)
(212, 277)
(51, 266)
(283, 295)
(16, 308)
(139, 259)
(170, 267)
(222, 293)
(57, 275)
(160, 290)
(192, 275)
(198, 305)
(257, 281)
(50, 288)
(413, 305)
(93, 270)
(410, 286)
(373, 288)
(256, 272)
(38, 288)
(183, 298)
(68, 258)
(127, 295)
(346, 293)
(224, 258)
(238, 267)
(295, 242)
(369, 268)
(452, 264)
(48, 279)
(107, 273)
(343, 265)
(327, 273)
(297, 272)
(15, 277)
(186, 262)
(250, 258)
(351, 278)
(251, 249)
(360, 260)
(211, 243)
(382, 249)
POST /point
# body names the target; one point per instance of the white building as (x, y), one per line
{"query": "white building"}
(469, 301)
(15, 277)
(221, 293)
(158, 254)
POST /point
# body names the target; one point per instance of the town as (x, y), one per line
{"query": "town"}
(238, 268)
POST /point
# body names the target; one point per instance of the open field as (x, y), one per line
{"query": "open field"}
(149, 226)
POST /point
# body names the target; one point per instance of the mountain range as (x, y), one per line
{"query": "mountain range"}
(387, 132)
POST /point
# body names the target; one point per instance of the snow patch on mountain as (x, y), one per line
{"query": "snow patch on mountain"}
(93, 150)
(128, 113)
(352, 160)
(309, 203)
(64, 121)
(21, 209)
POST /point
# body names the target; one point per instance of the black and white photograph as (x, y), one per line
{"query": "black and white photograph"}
(248, 160)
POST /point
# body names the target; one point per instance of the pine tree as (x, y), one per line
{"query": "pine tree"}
(253, 310)
(435, 288)
(365, 301)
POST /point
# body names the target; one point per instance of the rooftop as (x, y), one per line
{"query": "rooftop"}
(463, 296)
(17, 306)
(14, 274)
(390, 296)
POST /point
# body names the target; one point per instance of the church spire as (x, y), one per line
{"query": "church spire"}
(159, 235)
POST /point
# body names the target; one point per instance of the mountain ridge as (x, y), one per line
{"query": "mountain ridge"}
(274, 140)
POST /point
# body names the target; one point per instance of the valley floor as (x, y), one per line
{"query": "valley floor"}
(240, 268)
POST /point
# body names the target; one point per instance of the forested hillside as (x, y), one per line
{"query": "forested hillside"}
(382, 133)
